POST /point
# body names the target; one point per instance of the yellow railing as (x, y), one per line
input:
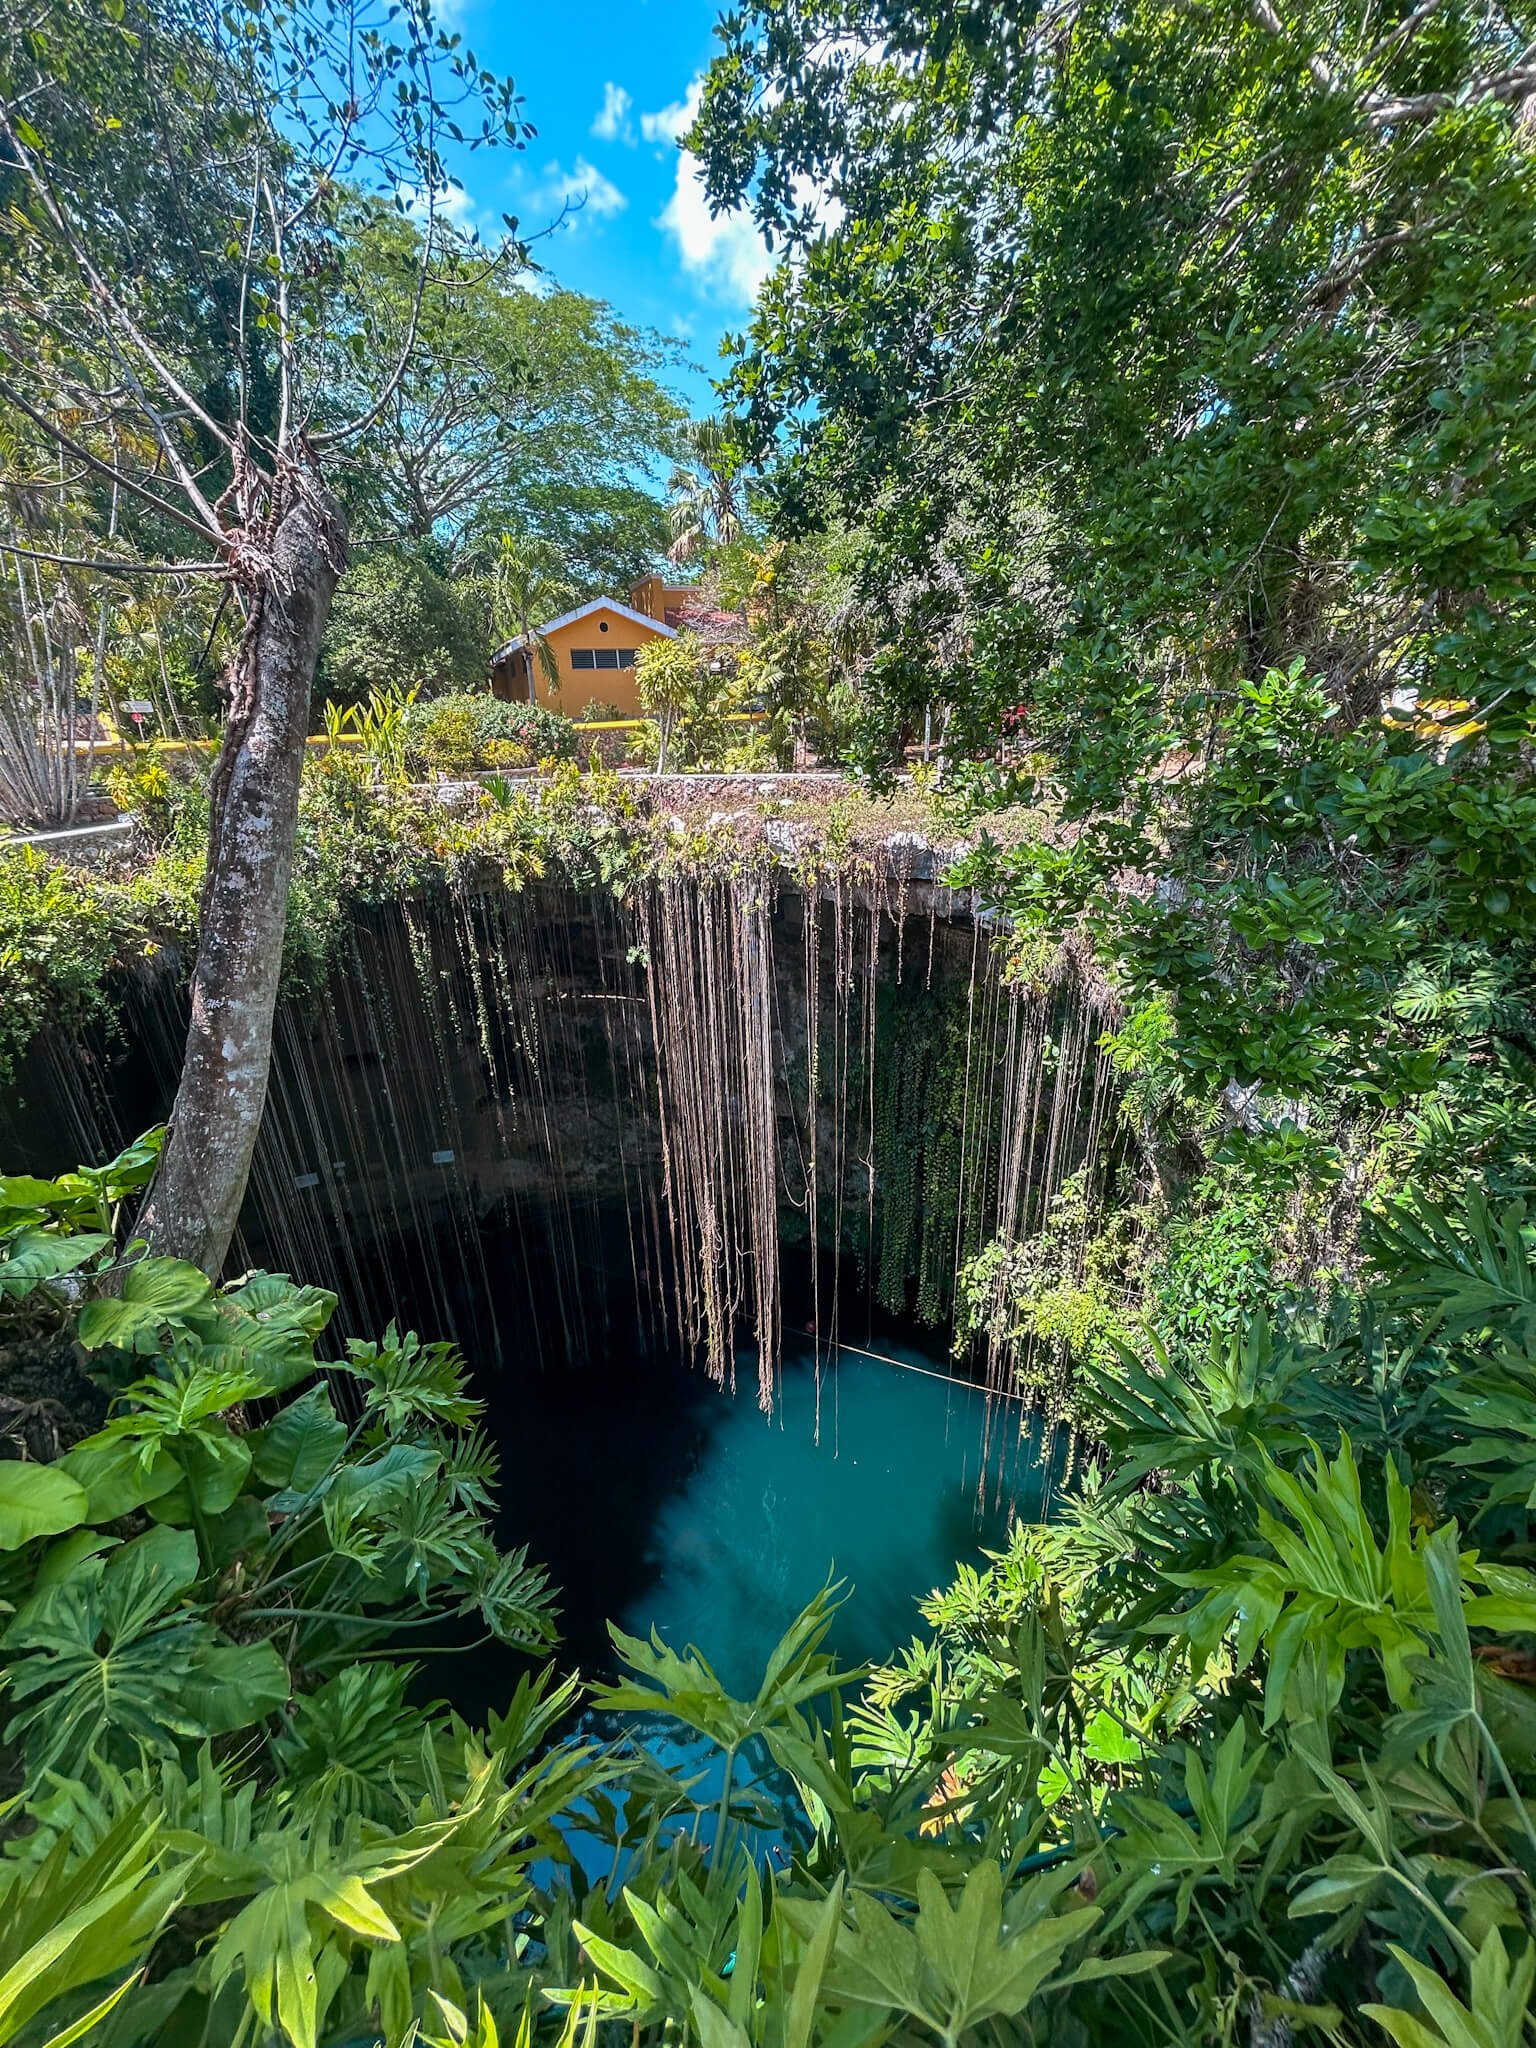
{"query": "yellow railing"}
(121, 745)
(629, 724)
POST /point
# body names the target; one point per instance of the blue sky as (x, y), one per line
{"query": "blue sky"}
(609, 84)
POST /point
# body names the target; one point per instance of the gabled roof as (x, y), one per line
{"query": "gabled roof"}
(585, 611)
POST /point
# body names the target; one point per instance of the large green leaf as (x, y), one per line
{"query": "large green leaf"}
(310, 1907)
(37, 1500)
(99, 1188)
(26, 1191)
(685, 1685)
(153, 1293)
(214, 1471)
(78, 1918)
(294, 1452)
(1471, 1267)
(1499, 2013)
(265, 1326)
(233, 1684)
(120, 1474)
(272, 1298)
(113, 1660)
(179, 1416)
(172, 1451)
(35, 1256)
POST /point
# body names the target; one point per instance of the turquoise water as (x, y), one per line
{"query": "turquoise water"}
(879, 1474)
(703, 1518)
(661, 1501)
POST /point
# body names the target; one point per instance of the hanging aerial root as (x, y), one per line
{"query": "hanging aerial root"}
(709, 945)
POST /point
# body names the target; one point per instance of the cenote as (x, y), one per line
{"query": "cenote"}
(659, 1499)
(689, 1177)
(714, 1524)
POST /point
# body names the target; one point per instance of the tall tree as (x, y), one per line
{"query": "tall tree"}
(516, 408)
(165, 159)
(1208, 329)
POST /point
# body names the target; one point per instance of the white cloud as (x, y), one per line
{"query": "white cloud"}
(669, 124)
(723, 252)
(613, 122)
(582, 191)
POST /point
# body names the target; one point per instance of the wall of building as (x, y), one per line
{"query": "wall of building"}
(659, 599)
(600, 634)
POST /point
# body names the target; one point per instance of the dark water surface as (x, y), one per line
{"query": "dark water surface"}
(662, 1501)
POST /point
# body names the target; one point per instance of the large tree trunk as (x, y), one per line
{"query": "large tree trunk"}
(195, 1201)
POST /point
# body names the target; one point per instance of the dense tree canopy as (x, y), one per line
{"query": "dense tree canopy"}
(523, 407)
(1218, 330)
(398, 623)
(1180, 365)
(220, 270)
(187, 183)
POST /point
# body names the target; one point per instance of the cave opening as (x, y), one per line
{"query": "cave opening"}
(689, 1176)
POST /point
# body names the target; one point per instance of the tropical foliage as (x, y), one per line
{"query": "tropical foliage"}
(1141, 418)
(1244, 1741)
(472, 729)
(1175, 369)
(397, 622)
(371, 824)
(230, 262)
(689, 689)
(539, 411)
(706, 490)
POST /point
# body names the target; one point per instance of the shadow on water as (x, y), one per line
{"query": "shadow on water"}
(657, 1499)
(652, 1496)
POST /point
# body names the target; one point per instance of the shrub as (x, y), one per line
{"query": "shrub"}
(506, 754)
(446, 735)
(758, 749)
(472, 729)
(689, 690)
(1267, 1664)
(58, 937)
(142, 784)
(546, 735)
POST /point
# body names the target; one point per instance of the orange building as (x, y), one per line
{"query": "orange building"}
(659, 599)
(593, 650)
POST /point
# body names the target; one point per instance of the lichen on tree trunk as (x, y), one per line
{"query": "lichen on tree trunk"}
(194, 1204)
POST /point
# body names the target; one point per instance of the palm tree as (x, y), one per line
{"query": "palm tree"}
(706, 490)
(529, 587)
